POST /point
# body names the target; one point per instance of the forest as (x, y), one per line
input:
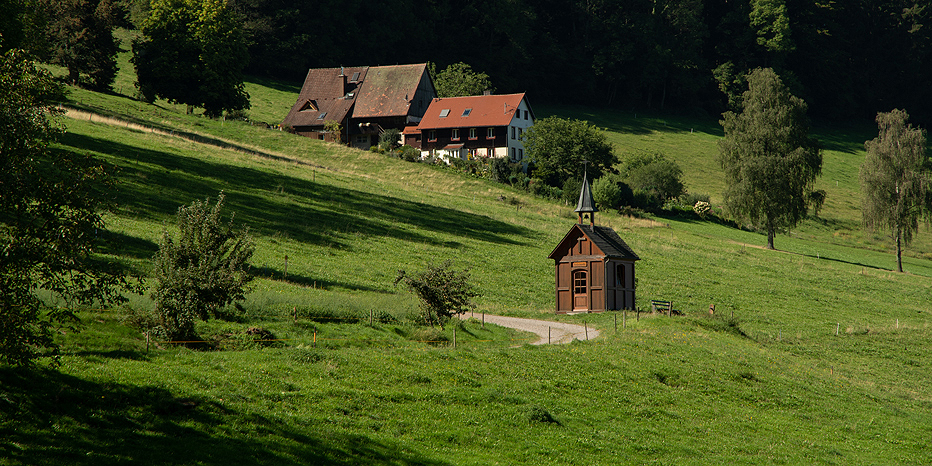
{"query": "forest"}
(847, 60)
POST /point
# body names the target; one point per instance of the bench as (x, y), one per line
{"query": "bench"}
(662, 306)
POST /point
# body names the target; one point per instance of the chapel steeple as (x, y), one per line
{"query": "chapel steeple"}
(586, 205)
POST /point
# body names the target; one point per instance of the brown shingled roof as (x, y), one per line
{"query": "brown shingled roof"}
(388, 90)
(323, 92)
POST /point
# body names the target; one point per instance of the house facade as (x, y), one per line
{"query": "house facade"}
(473, 126)
(364, 100)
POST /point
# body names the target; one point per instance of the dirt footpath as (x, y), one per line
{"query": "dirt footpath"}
(548, 331)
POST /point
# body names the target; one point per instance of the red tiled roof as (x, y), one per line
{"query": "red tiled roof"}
(485, 110)
(388, 90)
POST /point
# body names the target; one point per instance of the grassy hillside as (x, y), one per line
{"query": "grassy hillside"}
(816, 353)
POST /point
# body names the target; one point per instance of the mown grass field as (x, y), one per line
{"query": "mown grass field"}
(817, 352)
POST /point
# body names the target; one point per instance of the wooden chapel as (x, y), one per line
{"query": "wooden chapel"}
(593, 266)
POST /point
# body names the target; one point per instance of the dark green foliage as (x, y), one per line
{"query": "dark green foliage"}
(770, 161)
(390, 139)
(558, 147)
(79, 36)
(193, 52)
(48, 215)
(444, 291)
(459, 80)
(202, 271)
(571, 189)
(896, 180)
(654, 173)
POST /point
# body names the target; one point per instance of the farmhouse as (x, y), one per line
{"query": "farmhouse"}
(473, 126)
(593, 266)
(364, 100)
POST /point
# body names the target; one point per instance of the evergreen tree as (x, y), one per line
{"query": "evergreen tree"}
(896, 180)
(770, 161)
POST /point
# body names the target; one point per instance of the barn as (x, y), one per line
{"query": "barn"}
(593, 266)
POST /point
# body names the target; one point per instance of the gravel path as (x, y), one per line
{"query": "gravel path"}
(548, 331)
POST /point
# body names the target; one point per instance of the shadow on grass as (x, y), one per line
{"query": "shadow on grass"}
(155, 183)
(309, 282)
(51, 418)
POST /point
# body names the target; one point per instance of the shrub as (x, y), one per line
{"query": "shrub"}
(654, 173)
(202, 271)
(444, 291)
(606, 193)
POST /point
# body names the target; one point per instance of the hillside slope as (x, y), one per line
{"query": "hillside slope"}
(816, 353)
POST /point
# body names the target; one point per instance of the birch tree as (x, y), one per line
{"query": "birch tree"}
(895, 180)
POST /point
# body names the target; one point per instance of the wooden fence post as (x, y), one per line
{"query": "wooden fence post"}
(586, 326)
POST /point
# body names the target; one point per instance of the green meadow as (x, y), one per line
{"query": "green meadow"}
(817, 353)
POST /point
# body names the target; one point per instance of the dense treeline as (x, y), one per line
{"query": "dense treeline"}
(850, 58)
(845, 59)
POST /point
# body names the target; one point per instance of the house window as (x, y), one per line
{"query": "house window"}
(512, 153)
(362, 139)
(473, 133)
(525, 114)
(490, 133)
(467, 112)
(520, 154)
(432, 135)
(444, 113)
(520, 132)
(620, 275)
(321, 116)
(355, 77)
(512, 132)
(456, 134)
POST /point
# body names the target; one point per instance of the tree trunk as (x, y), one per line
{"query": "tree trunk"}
(899, 249)
(770, 235)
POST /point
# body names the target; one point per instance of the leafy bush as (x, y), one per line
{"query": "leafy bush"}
(606, 192)
(654, 173)
(444, 291)
(202, 271)
(389, 139)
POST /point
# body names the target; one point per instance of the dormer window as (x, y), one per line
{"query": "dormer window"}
(444, 113)
(467, 112)
(309, 106)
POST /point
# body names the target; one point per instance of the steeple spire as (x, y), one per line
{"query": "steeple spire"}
(586, 204)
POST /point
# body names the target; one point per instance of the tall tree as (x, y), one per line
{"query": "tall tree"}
(770, 161)
(557, 146)
(193, 52)
(896, 180)
(48, 216)
(79, 34)
(459, 80)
